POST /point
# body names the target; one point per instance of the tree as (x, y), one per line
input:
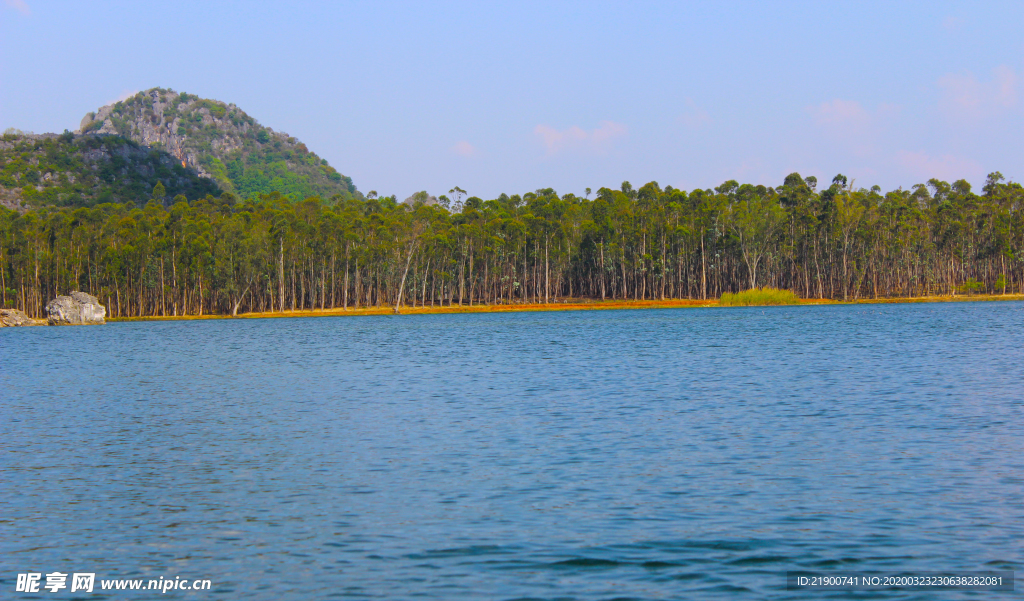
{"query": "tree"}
(229, 255)
(754, 221)
(413, 232)
(159, 191)
(458, 193)
(849, 212)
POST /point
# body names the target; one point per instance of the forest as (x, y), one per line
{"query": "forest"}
(224, 255)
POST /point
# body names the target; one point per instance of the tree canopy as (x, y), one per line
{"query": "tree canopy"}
(221, 254)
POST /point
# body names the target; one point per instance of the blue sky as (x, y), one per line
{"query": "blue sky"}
(511, 97)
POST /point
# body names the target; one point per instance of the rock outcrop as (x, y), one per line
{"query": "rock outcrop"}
(76, 309)
(422, 197)
(11, 318)
(221, 142)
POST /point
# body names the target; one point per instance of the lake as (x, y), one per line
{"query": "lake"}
(652, 454)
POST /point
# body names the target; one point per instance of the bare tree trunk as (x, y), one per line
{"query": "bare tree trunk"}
(703, 269)
(462, 274)
(1002, 261)
(174, 274)
(344, 292)
(426, 274)
(547, 272)
(238, 300)
(359, 284)
(663, 266)
(401, 286)
(525, 264)
(280, 273)
(163, 303)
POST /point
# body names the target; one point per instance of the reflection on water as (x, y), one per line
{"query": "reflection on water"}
(661, 454)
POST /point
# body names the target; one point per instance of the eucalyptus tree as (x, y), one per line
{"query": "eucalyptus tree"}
(754, 217)
(850, 210)
(223, 255)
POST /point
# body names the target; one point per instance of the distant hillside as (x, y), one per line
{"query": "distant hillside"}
(75, 170)
(222, 142)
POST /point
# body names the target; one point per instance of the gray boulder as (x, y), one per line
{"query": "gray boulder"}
(423, 197)
(12, 318)
(76, 309)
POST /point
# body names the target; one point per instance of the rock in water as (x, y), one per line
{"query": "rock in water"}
(76, 309)
(13, 317)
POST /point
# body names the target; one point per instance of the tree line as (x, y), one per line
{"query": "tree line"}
(224, 255)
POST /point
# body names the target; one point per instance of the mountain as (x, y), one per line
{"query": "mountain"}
(82, 170)
(192, 146)
(221, 142)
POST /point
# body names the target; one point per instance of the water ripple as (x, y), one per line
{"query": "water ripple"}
(673, 454)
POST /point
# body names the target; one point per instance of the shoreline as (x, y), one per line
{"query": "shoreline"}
(564, 305)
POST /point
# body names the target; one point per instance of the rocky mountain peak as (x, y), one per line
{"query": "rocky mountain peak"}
(219, 141)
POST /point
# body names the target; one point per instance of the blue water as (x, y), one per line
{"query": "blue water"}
(659, 454)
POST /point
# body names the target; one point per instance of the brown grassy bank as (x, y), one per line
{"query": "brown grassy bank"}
(565, 305)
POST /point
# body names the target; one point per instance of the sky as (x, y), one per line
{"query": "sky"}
(515, 96)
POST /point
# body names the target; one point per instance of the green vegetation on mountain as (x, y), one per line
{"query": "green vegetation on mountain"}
(222, 142)
(223, 255)
(74, 170)
(191, 146)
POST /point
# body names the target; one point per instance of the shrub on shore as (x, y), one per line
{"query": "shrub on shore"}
(759, 296)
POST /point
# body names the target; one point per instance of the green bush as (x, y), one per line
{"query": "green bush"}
(759, 296)
(971, 285)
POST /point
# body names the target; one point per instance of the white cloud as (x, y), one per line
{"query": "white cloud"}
(845, 113)
(964, 96)
(18, 5)
(554, 139)
(849, 124)
(576, 138)
(464, 148)
(952, 23)
(694, 117)
(946, 167)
